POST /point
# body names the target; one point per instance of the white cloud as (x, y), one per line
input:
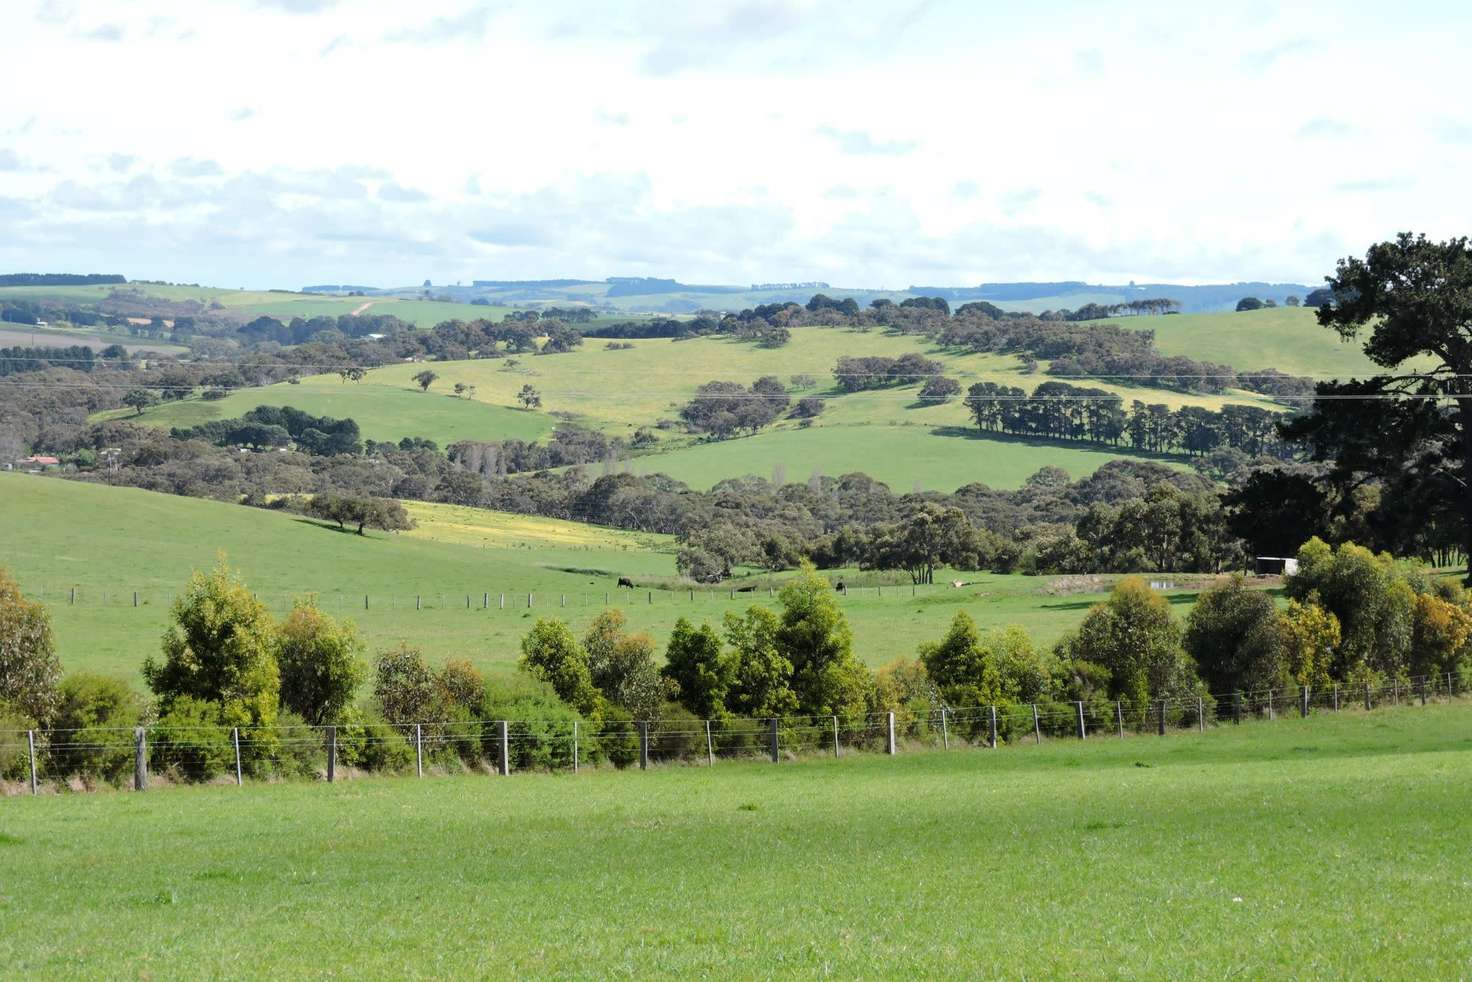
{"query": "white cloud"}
(857, 141)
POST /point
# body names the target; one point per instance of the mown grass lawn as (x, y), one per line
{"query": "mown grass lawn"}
(1331, 847)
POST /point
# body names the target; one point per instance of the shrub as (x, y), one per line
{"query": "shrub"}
(15, 759)
(618, 736)
(295, 747)
(366, 741)
(677, 733)
(699, 669)
(90, 733)
(540, 725)
(320, 664)
(404, 686)
(551, 653)
(29, 668)
(191, 741)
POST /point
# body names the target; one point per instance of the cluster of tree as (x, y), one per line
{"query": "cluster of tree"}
(60, 279)
(877, 371)
(279, 426)
(723, 409)
(1132, 308)
(1059, 411)
(79, 358)
(570, 445)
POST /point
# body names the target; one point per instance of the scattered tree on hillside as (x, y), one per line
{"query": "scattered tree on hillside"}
(1249, 303)
(139, 400)
(385, 514)
(353, 373)
(529, 397)
(938, 389)
(425, 379)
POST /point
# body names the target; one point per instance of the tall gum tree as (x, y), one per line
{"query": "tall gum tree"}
(1415, 298)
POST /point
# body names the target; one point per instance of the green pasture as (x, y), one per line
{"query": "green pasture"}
(903, 456)
(383, 412)
(109, 542)
(1323, 848)
(1286, 338)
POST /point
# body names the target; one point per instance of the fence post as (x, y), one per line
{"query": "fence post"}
(643, 745)
(1082, 733)
(889, 744)
(1303, 703)
(1271, 717)
(135, 598)
(1336, 697)
(418, 602)
(1237, 706)
(992, 727)
(331, 754)
(1201, 714)
(529, 598)
(31, 746)
(945, 733)
(773, 739)
(73, 600)
(1451, 684)
(1037, 726)
(1368, 704)
(564, 600)
(692, 596)
(140, 760)
(1162, 717)
(835, 738)
(710, 747)
(505, 748)
(1119, 717)
(503, 601)
(1422, 686)
(651, 596)
(235, 739)
(467, 601)
(485, 601)
(365, 601)
(575, 746)
(419, 749)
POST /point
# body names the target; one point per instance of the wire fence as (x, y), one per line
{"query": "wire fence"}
(440, 600)
(81, 759)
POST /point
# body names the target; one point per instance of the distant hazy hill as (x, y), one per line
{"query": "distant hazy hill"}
(648, 294)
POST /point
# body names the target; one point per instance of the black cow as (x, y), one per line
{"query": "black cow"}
(745, 589)
(840, 587)
(625, 581)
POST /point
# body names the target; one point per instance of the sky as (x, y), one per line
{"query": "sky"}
(278, 143)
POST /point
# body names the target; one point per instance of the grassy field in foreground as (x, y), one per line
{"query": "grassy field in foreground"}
(108, 542)
(1328, 847)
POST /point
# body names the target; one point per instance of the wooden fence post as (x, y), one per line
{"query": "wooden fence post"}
(1368, 704)
(1237, 706)
(835, 737)
(529, 598)
(1119, 717)
(889, 744)
(331, 754)
(485, 601)
(1083, 734)
(31, 746)
(1451, 684)
(503, 601)
(1303, 702)
(1162, 717)
(564, 600)
(1336, 697)
(651, 596)
(773, 740)
(419, 749)
(1422, 687)
(73, 600)
(575, 746)
(1201, 713)
(505, 748)
(945, 735)
(1271, 717)
(1395, 692)
(643, 745)
(1037, 726)
(135, 598)
(235, 739)
(140, 760)
(418, 602)
(992, 728)
(710, 747)
(365, 601)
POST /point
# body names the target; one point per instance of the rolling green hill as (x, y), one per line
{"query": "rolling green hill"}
(107, 543)
(885, 433)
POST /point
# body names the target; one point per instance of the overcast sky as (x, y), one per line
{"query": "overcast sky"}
(939, 142)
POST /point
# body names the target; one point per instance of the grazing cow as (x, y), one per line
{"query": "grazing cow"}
(840, 587)
(745, 589)
(625, 581)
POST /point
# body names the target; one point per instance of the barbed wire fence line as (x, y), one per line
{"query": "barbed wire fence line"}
(85, 757)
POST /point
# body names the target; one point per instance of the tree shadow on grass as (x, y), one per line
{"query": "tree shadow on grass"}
(968, 433)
